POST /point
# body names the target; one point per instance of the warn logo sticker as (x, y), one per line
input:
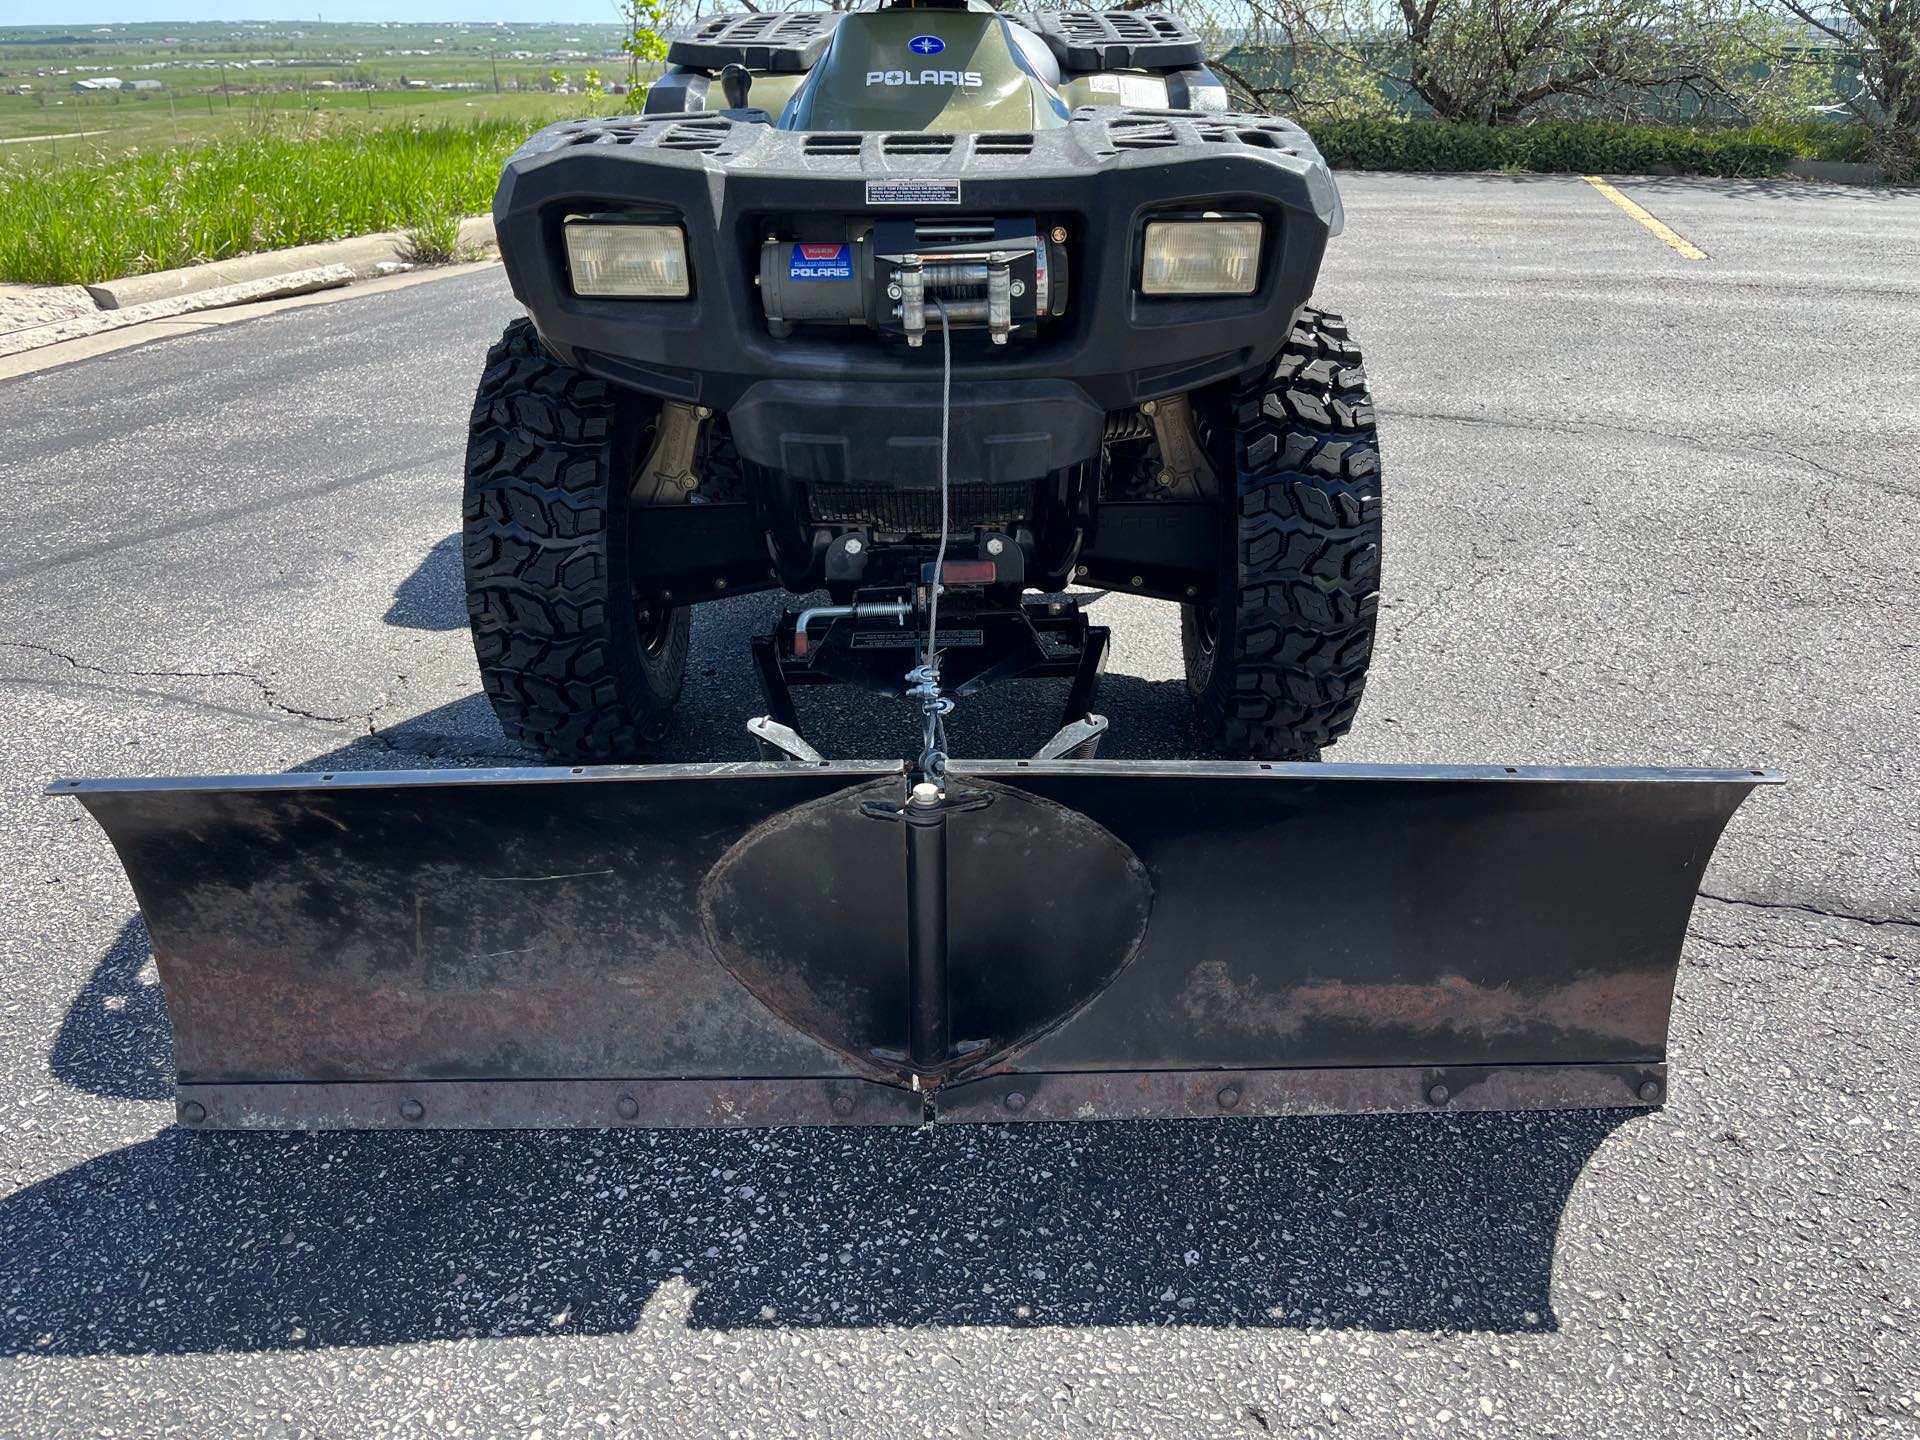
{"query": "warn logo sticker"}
(819, 262)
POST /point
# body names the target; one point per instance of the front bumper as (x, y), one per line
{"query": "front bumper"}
(843, 405)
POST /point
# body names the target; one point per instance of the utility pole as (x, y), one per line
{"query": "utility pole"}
(493, 57)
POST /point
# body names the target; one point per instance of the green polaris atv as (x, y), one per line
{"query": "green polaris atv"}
(926, 306)
(959, 318)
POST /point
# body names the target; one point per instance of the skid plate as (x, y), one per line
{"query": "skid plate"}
(725, 944)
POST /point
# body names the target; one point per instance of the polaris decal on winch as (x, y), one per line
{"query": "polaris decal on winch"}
(819, 262)
(965, 79)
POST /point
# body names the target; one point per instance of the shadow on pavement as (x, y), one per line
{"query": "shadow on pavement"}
(1761, 190)
(199, 1242)
(433, 596)
(114, 1039)
(192, 1242)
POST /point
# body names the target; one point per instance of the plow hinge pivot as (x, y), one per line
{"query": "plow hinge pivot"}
(925, 813)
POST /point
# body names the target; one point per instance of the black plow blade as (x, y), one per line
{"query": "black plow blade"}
(783, 943)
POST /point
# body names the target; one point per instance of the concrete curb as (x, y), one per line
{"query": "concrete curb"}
(359, 257)
(298, 282)
(183, 321)
(22, 307)
(1837, 172)
(365, 256)
(34, 316)
(476, 233)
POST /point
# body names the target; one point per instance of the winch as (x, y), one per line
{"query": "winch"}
(1000, 274)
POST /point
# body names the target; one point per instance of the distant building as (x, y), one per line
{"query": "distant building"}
(99, 82)
(143, 85)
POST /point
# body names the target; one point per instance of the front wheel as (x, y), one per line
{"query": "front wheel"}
(576, 667)
(1277, 662)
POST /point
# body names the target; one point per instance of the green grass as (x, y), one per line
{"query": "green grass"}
(278, 187)
(434, 237)
(147, 123)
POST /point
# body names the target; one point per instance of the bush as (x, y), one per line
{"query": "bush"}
(1583, 147)
(1819, 140)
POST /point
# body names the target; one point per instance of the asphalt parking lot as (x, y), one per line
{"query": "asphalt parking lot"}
(1642, 509)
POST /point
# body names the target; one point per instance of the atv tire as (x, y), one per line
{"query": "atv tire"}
(576, 668)
(1276, 665)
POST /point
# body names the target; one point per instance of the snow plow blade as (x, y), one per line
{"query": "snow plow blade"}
(779, 943)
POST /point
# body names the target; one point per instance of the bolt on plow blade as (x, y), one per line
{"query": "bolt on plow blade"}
(780, 944)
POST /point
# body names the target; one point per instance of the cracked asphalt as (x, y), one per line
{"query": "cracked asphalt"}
(1641, 510)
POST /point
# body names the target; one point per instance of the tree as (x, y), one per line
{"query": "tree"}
(645, 41)
(1503, 61)
(1884, 37)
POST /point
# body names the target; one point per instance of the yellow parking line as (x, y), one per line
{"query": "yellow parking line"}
(1686, 247)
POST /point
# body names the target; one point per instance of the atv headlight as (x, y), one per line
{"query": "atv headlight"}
(637, 261)
(1201, 257)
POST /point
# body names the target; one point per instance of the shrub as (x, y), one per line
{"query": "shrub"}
(1581, 147)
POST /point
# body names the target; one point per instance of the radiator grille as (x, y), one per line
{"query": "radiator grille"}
(917, 512)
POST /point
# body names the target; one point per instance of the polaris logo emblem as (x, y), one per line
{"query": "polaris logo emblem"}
(964, 79)
(926, 44)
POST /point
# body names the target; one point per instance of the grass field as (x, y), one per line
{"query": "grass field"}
(266, 135)
(279, 186)
(223, 79)
(150, 123)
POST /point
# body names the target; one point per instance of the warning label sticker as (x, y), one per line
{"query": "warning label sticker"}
(913, 192)
(908, 639)
(819, 262)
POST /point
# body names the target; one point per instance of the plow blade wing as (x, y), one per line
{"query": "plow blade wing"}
(769, 944)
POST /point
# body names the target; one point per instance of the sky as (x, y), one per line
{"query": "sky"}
(76, 13)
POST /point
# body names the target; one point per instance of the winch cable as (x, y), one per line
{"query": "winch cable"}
(923, 681)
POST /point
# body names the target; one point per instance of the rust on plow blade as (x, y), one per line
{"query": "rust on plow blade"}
(749, 944)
